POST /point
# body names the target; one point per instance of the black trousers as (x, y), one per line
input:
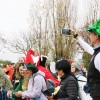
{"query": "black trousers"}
(96, 98)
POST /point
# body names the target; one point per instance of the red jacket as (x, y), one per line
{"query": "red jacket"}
(48, 74)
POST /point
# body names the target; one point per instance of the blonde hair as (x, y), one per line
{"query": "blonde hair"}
(18, 75)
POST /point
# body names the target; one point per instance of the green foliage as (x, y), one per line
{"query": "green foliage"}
(86, 59)
(5, 62)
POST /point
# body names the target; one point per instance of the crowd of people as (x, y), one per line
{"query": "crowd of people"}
(27, 79)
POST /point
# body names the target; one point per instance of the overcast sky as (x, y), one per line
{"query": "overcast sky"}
(13, 18)
(13, 15)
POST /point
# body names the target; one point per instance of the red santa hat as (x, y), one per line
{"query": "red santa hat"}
(29, 57)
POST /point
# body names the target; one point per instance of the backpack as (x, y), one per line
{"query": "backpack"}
(50, 84)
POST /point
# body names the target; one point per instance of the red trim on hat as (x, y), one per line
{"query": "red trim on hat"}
(29, 57)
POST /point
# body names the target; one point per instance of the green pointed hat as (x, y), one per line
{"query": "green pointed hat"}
(95, 27)
(32, 67)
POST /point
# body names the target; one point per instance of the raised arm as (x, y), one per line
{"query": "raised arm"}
(85, 46)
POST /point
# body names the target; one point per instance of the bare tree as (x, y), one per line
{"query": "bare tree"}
(41, 27)
(45, 29)
(62, 19)
(2, 41)
(21, 43)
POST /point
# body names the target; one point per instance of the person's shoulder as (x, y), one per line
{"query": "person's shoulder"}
(38, 77)
(70, 78)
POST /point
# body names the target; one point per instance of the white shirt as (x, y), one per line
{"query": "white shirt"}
(85, 46)
(90, 50)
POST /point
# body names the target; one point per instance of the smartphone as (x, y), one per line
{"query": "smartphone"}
(66, 31)
(47, 92)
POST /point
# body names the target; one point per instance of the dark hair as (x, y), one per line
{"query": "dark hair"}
(99, 37)
(22, 64)
(43, 61)
(12, 64)
(92, 31)
(64, 65)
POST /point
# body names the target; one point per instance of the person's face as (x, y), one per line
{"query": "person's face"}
(22, 71)
(29, 72)
(73, 69)
(93, 38)
(59, 72)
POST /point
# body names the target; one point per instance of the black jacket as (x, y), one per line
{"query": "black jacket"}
(68, 88)
(94, 77)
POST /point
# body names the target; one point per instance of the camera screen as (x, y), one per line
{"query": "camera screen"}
(66, 31)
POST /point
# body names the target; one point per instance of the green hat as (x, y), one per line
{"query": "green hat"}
(32, 67)
(95, 27)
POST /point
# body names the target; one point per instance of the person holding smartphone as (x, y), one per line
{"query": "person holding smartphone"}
(93, 77)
